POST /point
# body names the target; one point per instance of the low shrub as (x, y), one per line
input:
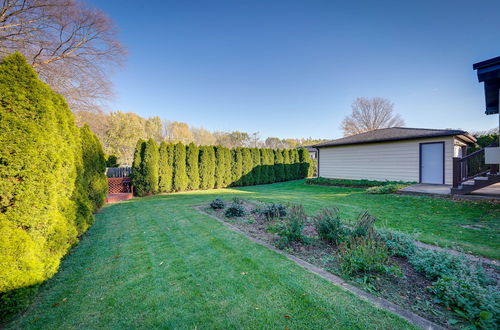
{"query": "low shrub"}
(291, 229)
(363, 254)
(235, 210)
(364, 225)
(398, 243)
(476, 303)
(237, 200)
(274, 211)
(329, 226)
(461, 285)
(387, 189)
(218, 204)
(436, 264)
(353, 183)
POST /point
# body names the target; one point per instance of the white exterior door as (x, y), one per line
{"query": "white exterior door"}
(432, 163)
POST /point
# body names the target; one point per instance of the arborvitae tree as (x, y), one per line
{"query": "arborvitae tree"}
(164, 171)
(137, 169)
(237, 168)
(211, 167)
(180, 175)
(220, 163)
(94, 165)
(150, 167)
(247, 176)
(279, 171)
(263, 169)
(204, 170)
(256, 166)
(169, 179)
(305, 162)
(228, 161)
(294, 158)
(44, 190)
(272, 177)
(192, 167)
(286, 164)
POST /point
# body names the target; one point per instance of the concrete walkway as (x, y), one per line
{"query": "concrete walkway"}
(488, 193)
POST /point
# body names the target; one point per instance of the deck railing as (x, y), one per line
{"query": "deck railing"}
(470, 166)
(118, 172)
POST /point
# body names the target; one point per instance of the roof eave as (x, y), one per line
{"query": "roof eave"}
(325, 145)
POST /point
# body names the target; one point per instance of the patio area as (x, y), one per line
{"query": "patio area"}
(490, 192)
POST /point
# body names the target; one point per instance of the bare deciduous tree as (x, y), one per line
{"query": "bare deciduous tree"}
(70, 45)
(369, 114)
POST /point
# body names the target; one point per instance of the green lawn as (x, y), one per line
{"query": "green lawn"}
(157, 262)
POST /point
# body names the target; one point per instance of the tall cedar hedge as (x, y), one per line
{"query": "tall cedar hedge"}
(138, 179)
(220, 163)
(180, 181)
(237, 167)
(150, 166)
(207, 167)
(165, 168)
(192, 167)
(51, 181)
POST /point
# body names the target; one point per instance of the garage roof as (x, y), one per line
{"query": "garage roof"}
(395, 134)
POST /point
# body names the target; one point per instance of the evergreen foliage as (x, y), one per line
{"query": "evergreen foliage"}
(204, 167)
(94, 165)
(247, 178)
(305, 163)
(138, 179)
(150, 167)
(180, 181)
(47, 195)
(294, 158)
(217, 167)
(164, 169)
(287, 162)
(256, 166)
(220, 170)
(279, 171)
(228, 174)
(211, 167)
(237, 167)
(192, 167)
(270, 166)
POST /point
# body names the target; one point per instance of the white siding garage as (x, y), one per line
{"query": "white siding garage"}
(393, 160)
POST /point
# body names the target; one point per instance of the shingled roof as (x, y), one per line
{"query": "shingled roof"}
(395, 134)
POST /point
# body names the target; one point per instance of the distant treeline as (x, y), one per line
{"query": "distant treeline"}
(178, 167)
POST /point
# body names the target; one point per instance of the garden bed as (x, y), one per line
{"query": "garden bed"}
(402, 284)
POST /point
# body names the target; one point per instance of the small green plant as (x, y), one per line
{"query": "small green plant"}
(235, 210)
(364, 254)
(274, 211)
(291, 229)
(398, 243)
(386, 189)
(461, 285)
(364, 225)
(329, 226)
(237, 200)
(218, 204)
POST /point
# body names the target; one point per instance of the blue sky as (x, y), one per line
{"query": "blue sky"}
(293, 68)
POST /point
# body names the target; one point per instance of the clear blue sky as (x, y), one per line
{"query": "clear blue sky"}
(293, 68)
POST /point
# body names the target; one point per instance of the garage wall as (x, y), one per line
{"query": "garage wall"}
(394, 161)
